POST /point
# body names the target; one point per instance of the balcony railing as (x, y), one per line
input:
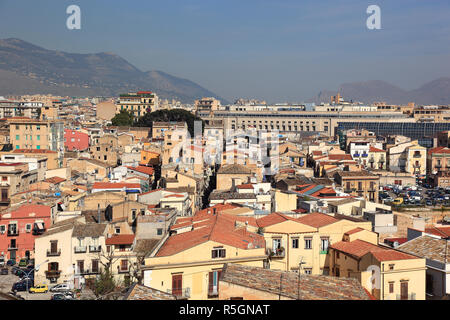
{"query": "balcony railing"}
(12, 248)
(53, 273)
(277, 253)
(410, 296)
(365, 155)
(80, 249)
(51, 253)
(182, 293)
(95, 248)
(13, 233)
(124, 270)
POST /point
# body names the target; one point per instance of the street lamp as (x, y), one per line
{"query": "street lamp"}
(27, 275)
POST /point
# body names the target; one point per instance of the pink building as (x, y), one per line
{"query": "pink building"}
(19, 227)
(75, 140)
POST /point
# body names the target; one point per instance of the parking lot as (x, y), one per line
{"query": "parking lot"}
(7, 281)
(415, 196)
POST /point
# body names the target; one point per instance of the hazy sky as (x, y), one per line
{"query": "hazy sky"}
(278, 50)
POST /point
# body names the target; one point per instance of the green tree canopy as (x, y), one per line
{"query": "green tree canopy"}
(123, 119)
(178, 115)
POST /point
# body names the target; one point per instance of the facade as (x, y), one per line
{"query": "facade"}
(386, 273)
(75, 140)
(19, 227)
(358, 183)
(189, 263)
(138, 103)
(37, 134)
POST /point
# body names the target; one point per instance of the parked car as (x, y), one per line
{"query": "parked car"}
(23, 262)
(22, 285)
(62, 296)
(429, 202)
(10, 262)
(60, 287)
(4, 271)
(398, 201)
(43, 288)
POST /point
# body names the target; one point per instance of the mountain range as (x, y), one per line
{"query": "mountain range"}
(29, 69)
(26, 68)
(436, 92)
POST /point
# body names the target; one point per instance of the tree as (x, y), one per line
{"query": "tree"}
(178, 115)
(123, 119)
(105, 284)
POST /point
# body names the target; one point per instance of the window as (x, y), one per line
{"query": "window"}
(17, 137)
(324, 242)
(124, 265)
(308, 270)
(2, 228)
(133, 214)
(308, 243)
(4, 178)
(159, 231)
(218, 253)
(391, 267)
(28, 227)
(117, 230)
(276, 244)
(213, 283)
(295, 243)
(38, 147)
(391, 287)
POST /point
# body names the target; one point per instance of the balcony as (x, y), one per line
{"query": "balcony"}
(51, 253)
(410, 296)
(182, 293)
(13, 233)
(417, 155)
(80, 249)
(89, 271)
(95, 248)
(356, 155)
(120, 271)
(277, 253)
(52, 273)
(12, 248)
(364, 155)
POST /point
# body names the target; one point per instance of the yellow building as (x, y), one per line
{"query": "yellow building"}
(138, 103)
(387, 273)
(189, 263)
(305, 240)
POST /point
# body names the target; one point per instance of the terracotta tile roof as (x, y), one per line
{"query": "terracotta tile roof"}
(443, 232)
(271, 219)
(245, 186)
(112, 185)
(33, 151)
(373, 149)
(287, 284)
(353, 231)
(439, 150)
(220, 228)
(143, 169)
(55, 180)
(340, 157)
(359, 248)
(317, 220)
(27, 210)
(120, 239)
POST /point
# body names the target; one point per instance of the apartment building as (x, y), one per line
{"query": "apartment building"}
(15, 178)
(358, 183)
(386, 273)
(206, 105)
(19, 227)
(138, 103)
(75, 140)
(106, 149)
(28, 134)
(188, 264)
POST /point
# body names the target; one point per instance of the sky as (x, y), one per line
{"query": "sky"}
(277, 50)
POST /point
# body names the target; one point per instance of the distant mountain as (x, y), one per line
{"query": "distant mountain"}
(27, 69)
(434, 92)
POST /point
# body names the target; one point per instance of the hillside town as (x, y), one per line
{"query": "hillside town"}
(136, 197)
